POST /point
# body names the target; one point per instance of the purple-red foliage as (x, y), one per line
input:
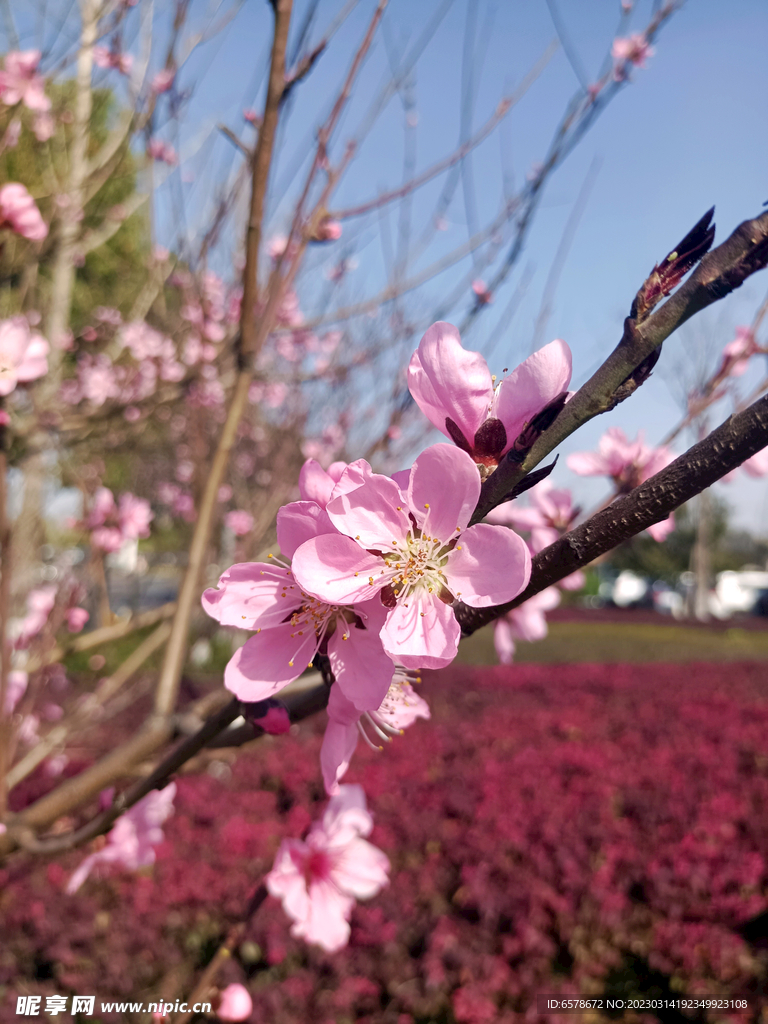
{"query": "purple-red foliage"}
(548, 822)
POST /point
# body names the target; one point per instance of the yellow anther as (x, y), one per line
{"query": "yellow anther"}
(290, 663)
(458, 547)
(399, 508)
(426, 504)
(357, 574)
(370, 580)
(270, 556)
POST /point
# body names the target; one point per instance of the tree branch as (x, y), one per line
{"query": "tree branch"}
(737, 439)
(719, 273)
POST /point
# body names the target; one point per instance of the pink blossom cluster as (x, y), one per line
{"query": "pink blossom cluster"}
(603, 815)
(112, 58)
(628, 464)
(158, 149)
(111, 524)
(634, 49)
(23, 354)
(179, 500)
(19, 213)
(20, 83)
(549, 515)
(131, 842)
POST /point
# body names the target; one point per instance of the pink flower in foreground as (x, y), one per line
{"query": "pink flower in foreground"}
(133, 838)
(528, 622)
(76, 619)
(236, 1004)
(634, 49)
(456, 392)
(291, 625)
(23, 354)
(239, 522)
(19, 212)
(319, 879)
(20, 83)
(737, 353)
(628, 464)
(399, 710)
(413, 548)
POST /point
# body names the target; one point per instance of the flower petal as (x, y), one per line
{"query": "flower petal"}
(443, 490)
(448, 381)
(372, 513)
(422, 633)
(337, 570)
(268, 661)
(362, 669)
(314, 483)
(588, 464)
(531, 386)
(360, 870)
(298, 522)
(489, 565)
(340, 739)
(250, 596)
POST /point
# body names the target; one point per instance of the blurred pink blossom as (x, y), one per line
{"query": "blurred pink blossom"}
(23, 354)
(737, 353)
(19, 212)
(757, 466)
(482, 292)
(20, 83)
(104, 57)
(133, 838)
(528, 622)
(163, 80)
(239, 522)
(76, 619)
(158, 149)
(43, 126)
(634, 49)
(135, 515)
(319, 879)
(16, 688)
(236, 1004)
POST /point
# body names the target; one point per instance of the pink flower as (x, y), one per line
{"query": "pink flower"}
(106, 58)
(236, 1004)
(23, 354)
(482, 293)
(44, 126)
(319, 879)
(19, 213)
(76, 619)
(528, 622)
(133, 837)
(96, 376)
(135, 515)
(102, 506)
(455, 391)
(157, 149)
(414, 549)
(327, 231)
(163, 80)
(634, 49)
(737, 353)
(628, 464)
(291, 625)
(239, 522)
(399, 710)
(20, 83)
(550, 514)
(251, 117)
(107, 538)
(15, 690)
(317, 484)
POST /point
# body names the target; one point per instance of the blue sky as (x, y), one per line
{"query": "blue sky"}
(686, 134)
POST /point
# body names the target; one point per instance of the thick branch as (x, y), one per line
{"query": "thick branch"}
(737, 439)
(718, 274)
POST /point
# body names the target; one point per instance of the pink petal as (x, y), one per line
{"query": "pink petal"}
(489, 565)
(588, 464)
(360, 870)
(443, 490)
(422, 633)
(362, 669)
(543, 537)
(314, 483)
(447, 381)
(372, 513)
(573, 582)
(660, 531)
(350, 477)
(503, 641)
(250, 596)
(236, 1003)
(509, 514)
(541, 378)
(340, 739)
(327, 923)
(298, 522)
(337, 570)
(268, 661)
